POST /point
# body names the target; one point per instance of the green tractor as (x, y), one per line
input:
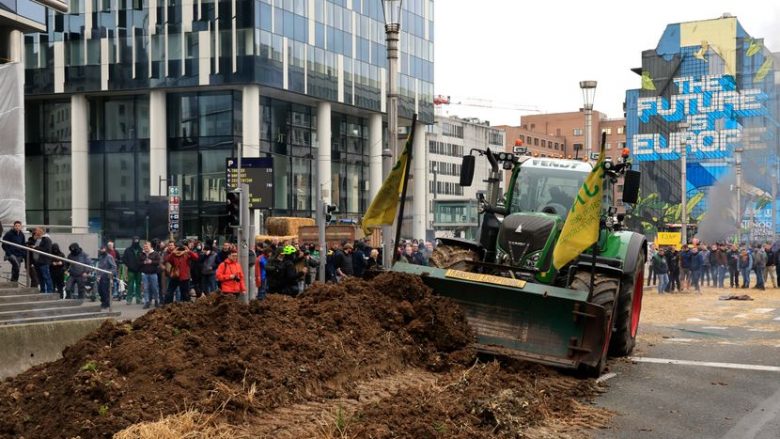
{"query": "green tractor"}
(518, 304)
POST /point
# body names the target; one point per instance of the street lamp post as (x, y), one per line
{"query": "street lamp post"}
(738, 162)
(392, 14)
(683, 128)
(588, 95)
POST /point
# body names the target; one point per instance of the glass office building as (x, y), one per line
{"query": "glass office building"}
(711, 88)
(127, 97)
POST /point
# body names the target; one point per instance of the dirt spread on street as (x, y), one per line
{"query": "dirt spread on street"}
(668, 309)
(379, 358)
(668, 318)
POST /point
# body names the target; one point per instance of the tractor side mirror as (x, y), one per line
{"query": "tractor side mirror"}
(631, 186)
(467, 170)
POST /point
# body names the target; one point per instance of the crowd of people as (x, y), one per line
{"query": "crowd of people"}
(289, 267)
(159, 272)
(698, 264)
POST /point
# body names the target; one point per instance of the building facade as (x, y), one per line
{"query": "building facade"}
(452, 209)
(708, 90)
(535, 143)
(569, 129)
(127, 98)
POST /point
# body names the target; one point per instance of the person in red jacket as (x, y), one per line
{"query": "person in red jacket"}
(179, 273)
(230, 275)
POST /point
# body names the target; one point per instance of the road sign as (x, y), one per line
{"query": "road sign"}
(173, 209)
(668, 239)
(258, 173)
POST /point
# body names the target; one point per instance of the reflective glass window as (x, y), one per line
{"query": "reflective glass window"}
(216, 114)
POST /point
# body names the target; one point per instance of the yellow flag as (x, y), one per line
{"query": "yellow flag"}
(700, 54)
(753, 48)
(581, 228)
(384, 206)
(763, 70)
(647, 81)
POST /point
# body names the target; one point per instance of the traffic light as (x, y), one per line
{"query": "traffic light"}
(329, 209)
(233, 208)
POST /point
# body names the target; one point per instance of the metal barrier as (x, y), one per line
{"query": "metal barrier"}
(66, 260)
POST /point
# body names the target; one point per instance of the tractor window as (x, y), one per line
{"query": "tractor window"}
(549, 190)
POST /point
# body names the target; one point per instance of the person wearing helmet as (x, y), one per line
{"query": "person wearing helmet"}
(290, 275)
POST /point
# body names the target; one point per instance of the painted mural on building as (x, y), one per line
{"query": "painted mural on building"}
(708, 87)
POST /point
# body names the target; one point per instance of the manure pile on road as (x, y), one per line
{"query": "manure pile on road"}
(362, 359)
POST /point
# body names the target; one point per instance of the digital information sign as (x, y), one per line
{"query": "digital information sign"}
(258, 173)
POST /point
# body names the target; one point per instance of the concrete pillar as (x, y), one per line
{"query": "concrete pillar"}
(419, 193)
(16, 46)
(79, 163)
(250, 132)
(250, 113)
(374, 154)
(323, 151)
(158, 144)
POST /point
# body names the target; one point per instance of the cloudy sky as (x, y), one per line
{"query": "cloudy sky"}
(518, 53)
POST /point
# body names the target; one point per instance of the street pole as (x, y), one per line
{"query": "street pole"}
(387, 231)
(588, 95)
(588, 131)
(320, 218)
(683, 127)
(738, 160)
(392, 31)
(684, 192)
(773, 234)
(242, 231)
(243, 238)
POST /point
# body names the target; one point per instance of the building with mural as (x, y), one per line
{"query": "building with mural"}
(709, 91)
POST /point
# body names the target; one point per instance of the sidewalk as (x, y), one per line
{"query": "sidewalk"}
(128, 312)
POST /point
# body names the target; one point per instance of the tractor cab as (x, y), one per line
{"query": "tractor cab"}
(546, 185)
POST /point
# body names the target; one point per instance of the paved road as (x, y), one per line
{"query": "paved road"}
(700, 399)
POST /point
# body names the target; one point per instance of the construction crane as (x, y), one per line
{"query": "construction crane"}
(440, 100)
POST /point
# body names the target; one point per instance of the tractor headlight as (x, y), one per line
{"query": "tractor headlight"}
(532, 260)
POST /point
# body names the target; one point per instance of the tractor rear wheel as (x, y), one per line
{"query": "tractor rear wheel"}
(627, 313)
(605, 292)
(449, 256)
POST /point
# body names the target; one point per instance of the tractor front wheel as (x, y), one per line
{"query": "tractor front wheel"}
(605, 292)
(452, 257)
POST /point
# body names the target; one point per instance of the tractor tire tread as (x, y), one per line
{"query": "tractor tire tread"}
(605, 292)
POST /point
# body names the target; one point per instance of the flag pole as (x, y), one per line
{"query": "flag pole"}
(404, 186)
(595, 248)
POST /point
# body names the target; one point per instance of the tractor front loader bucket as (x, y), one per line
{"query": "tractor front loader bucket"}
(536, 322)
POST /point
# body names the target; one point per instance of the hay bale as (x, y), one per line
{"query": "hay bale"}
(286, 226)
